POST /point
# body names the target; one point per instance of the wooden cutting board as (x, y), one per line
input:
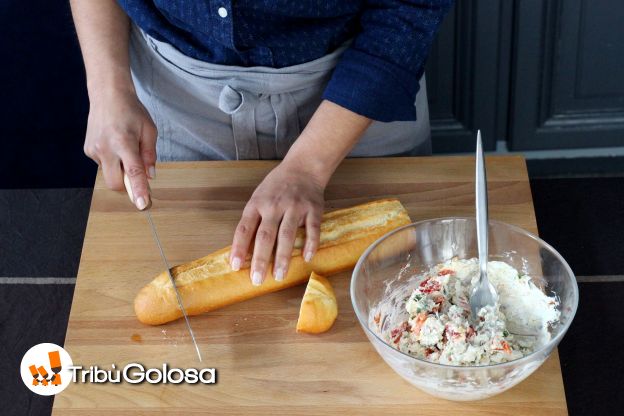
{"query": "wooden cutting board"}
(264, 367)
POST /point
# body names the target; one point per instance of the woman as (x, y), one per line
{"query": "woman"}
(307, 82)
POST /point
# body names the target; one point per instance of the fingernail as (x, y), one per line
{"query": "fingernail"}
(279, 274)
(308, 256)
(140, 203)
(152, 172)
(236, 264)
(256, 278)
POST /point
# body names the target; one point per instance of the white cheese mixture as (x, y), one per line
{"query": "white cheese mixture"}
(439, 327)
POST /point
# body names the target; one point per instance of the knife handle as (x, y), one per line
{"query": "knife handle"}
(126, 181)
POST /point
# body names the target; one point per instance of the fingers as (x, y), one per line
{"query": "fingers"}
(135, 170)
(147, 144)
(285, 242)
(242, 237)
(263, 248)
(115, 163)
(91, 153)
(121, 138)
(112, 172)
(273, 226)
(313, 234)
(282, 203)
(108, 161)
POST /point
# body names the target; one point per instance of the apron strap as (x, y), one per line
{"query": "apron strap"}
(241, 105)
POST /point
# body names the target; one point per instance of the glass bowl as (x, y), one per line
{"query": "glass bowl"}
(387, 266)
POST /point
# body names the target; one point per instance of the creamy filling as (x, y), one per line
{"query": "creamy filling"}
(438, 326)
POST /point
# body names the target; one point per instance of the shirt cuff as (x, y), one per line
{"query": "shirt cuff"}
(373, 87)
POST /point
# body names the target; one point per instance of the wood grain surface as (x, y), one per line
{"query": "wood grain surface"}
(265, 367)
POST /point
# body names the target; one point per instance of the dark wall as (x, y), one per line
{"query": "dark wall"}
(541, 74)
(43, 101)
(571, 93)
(468, 75)
(538, 74)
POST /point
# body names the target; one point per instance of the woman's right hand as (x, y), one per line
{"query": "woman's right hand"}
(121, 137)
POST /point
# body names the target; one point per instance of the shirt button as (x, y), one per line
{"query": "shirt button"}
(222, 12)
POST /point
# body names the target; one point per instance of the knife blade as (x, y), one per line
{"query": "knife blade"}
(148, 214)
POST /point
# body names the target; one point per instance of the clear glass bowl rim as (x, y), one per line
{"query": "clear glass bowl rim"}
(553, 342)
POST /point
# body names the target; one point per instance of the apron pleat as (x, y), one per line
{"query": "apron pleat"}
(287, 127)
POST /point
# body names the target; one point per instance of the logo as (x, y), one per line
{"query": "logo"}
(45, 369)
(135, 373)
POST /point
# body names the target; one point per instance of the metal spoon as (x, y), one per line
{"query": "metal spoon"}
(483, 294)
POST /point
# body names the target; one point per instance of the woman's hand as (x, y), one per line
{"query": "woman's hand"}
(120, 133)
(121, 137)
(289, 197)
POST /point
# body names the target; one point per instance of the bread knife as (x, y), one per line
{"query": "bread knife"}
(148, 214)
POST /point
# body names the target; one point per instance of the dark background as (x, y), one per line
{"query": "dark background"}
(531, 74)
(44, 104)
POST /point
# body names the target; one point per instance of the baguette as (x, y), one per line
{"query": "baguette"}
(209, 283)
(319, 308)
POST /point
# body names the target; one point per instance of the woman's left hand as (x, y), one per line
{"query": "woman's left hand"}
(289, 197)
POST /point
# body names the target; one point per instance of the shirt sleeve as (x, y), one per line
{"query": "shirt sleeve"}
(377, 76)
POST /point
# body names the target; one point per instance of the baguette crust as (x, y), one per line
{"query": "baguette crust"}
(209, 283)
(319, 308)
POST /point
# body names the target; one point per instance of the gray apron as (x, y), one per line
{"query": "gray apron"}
(204, 111)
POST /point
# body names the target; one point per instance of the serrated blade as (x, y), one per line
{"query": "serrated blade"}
(175, 288)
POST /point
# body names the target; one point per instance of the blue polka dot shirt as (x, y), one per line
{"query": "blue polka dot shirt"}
(377, 76)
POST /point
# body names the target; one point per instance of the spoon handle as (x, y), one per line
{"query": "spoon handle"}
(482, 208)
